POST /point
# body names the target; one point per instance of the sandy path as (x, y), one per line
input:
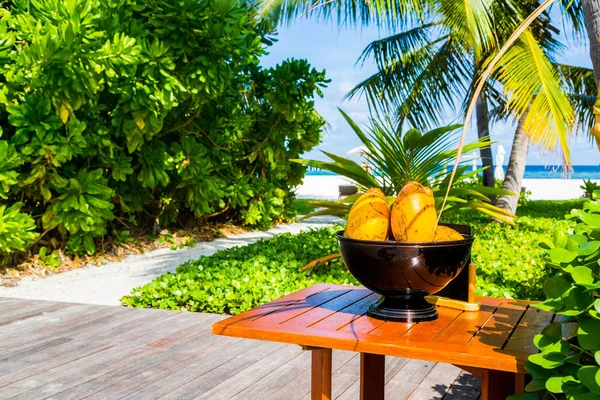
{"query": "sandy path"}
(108, 283)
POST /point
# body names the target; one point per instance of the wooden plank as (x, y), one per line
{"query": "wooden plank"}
(271, 307)
(437, 382)
(532, 323)
(372, 376)
(466, 387)
(407, 379)
(272, 382)
(164, 385)
(345, 316)
(16, 328)
(300, 386)
(55, 374)
(177, 360)
(428, 332)
(218, 372)
(497, 329)
(465, 327)
(31, 309)
(98, 316)
(254, 373)
(299, 309)
(316, 314)
(164, 359)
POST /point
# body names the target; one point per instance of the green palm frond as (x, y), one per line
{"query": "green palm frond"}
(389, 13)
(421, 83)
(397, 158)
(472, 20)
(581, 88)
(533, 84)
(573, 12)
(393, 48)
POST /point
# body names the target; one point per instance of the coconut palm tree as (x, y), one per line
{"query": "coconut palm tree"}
(423, 68)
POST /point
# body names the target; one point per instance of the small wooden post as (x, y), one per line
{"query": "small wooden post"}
(321, 374)
(472, 283)
(372, 376)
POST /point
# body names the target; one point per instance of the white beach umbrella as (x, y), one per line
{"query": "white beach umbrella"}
(358, 151)
(498, 170)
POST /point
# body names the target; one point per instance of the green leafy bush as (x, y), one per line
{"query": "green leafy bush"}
(234, 280)
(238, 279)
(151, 111)
(16, 229)
(569, 367)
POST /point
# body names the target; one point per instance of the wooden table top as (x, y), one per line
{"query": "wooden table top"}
(334, 316)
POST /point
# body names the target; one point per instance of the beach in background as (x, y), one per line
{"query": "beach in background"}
(543, 182)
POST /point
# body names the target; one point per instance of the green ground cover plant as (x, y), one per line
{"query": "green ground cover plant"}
(234, 280)
(144, 114)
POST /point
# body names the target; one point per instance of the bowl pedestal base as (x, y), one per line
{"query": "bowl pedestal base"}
(411, 308)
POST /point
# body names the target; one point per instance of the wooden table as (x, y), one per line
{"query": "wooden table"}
(490, 343)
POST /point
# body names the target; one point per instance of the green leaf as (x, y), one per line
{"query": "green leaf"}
(593, 220)
(555, 287)
(554, 384)
(548, 360)
(583, 275)
(559, 255)
(545, 244)
(588, 248)
(579, 239)
(588, 334)
(559, 238)
(590, 377)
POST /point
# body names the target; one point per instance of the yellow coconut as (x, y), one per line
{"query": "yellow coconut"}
(445, 234)
(369, 217)
(413, 216)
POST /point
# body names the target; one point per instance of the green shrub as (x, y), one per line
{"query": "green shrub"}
(151, 111)
(238, 279)
(16, 229)
(234, 280)
(569, 367)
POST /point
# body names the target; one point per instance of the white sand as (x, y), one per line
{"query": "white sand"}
(107, 283)
(326, 187)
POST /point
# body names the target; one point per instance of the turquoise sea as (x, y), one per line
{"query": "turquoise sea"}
(531, 172)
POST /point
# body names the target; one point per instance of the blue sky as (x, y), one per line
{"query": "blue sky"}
(335, 49)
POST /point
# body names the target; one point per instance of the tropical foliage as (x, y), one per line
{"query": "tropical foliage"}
(240, 278)
(569, 367)
(397, 158)
(438, 51)
(144, 113)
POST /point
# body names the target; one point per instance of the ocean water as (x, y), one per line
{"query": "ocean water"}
(531, 172)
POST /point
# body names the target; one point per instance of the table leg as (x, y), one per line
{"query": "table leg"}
(372, 376)
(321, 374)
(496, 385)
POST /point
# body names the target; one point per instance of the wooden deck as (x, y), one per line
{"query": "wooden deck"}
(51, 350)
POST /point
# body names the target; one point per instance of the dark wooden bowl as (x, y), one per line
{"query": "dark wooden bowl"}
(404, 273)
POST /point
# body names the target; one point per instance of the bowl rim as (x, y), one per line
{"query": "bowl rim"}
(468, 239)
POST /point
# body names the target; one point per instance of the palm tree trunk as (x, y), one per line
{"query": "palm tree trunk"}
(483, 130)
(516, 167)
(591, 15)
